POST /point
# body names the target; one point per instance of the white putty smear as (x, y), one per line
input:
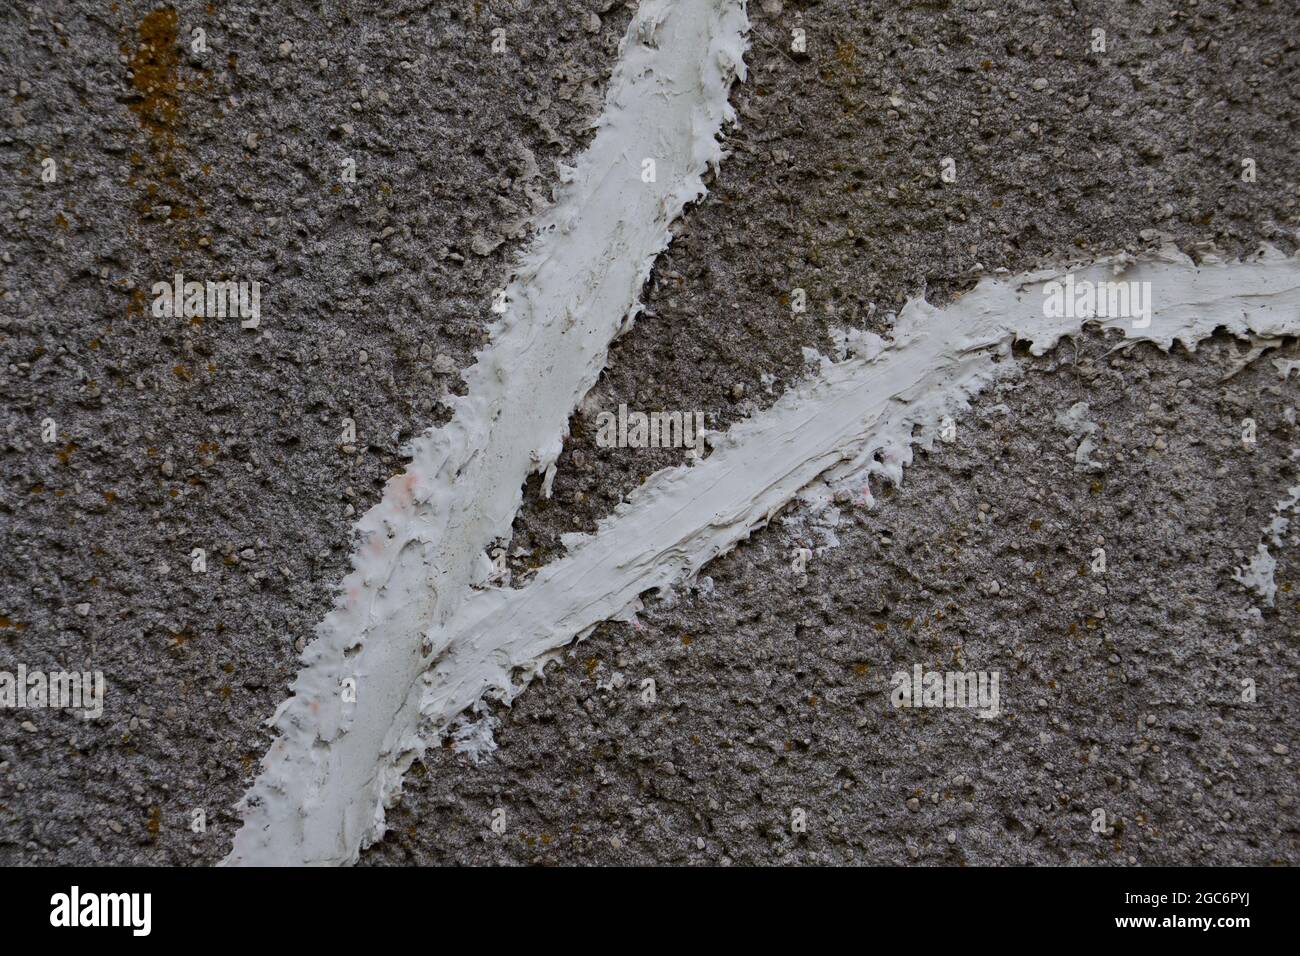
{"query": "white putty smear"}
(1075, 421)
(852, 420)
(1285, 367)
(335, 766)
(1258, 574)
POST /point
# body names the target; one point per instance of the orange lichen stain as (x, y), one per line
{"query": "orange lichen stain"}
(65, 452)
(135, 306)
(182, 373)
(1035, 525)
(546, 839)
(881, 626)
(860, 669)
(225, 692)
(156, 87)
(38, 489)
(812, 701)
(154, 65)
(591, 664)
(687, 639)
(209, 448)
(61, 221)
(155, 821)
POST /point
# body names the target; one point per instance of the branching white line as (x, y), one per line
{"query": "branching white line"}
(349, 731)
(854, 419)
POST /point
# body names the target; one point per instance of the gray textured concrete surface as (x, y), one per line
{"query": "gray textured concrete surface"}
(1120, 691)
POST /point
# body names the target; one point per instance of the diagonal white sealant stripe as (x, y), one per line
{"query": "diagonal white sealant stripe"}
(340, 753)
(854, 419)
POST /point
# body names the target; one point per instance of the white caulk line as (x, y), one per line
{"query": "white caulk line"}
(340, 755)
(853, 419)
